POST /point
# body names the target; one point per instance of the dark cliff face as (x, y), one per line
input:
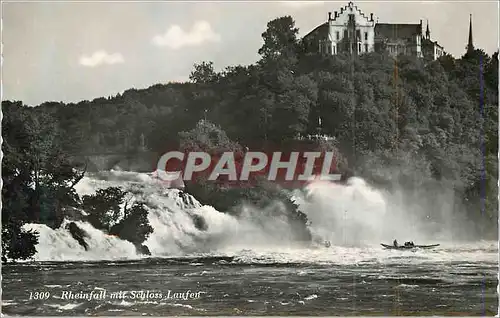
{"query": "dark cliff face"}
(78, 234)
(142, 249)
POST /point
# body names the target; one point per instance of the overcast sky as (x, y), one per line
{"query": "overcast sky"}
(55, 51)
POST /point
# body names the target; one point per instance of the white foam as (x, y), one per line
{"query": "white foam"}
(355, 218)
(59, 245)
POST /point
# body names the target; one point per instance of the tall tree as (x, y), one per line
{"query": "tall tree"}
(280, 39)
(203, 73)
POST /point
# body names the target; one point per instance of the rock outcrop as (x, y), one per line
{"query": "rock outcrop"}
(78, 234)
(142, 250)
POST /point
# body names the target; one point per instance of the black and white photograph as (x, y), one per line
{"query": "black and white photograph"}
(249, 158)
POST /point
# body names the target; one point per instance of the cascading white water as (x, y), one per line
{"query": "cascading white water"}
(347, 215)
(171, 214)
(59, 245)
(356, 214)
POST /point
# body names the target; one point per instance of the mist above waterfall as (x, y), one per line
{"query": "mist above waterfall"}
(356, 214)
(348, 215)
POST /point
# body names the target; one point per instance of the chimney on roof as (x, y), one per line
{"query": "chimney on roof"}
(329, 16)
(341, 10)
(371, 17)
(335, 15)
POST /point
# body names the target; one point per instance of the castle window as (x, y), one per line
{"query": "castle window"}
(334, 50)
(366, 47)
(358, 34)
(345, 34)
(359, 47)
(366, 36)
(337, 34)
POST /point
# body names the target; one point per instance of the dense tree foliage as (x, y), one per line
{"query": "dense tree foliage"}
(104, 207)
(37, 177)
(134, 227)
(38, 183)
(402, 121)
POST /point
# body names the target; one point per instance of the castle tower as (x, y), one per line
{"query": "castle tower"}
(470, 44)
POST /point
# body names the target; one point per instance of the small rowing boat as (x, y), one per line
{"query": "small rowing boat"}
(402, 247)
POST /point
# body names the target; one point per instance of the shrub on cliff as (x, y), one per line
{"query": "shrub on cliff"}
(134, 227)
(109, 211)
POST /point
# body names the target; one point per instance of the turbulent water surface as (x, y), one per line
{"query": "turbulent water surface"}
(253, 265)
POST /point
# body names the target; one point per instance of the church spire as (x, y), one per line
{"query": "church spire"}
(470, 45)
(428, 32)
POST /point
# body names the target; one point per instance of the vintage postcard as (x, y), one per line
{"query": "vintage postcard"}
(232, 158)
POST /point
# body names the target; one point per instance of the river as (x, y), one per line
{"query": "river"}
(333, 281)
(251, 265)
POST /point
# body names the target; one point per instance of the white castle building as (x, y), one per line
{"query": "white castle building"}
(350, 30)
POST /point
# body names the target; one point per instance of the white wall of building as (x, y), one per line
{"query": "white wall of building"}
(438, 51)
(365, 23)
(337, 26)
(419, 45)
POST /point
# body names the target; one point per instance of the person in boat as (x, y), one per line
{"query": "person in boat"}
(395, 243)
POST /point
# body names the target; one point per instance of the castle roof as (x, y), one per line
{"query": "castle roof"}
(382, 31)
(351, 5)
(320, 31)
(427, 42)
(397, 31)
